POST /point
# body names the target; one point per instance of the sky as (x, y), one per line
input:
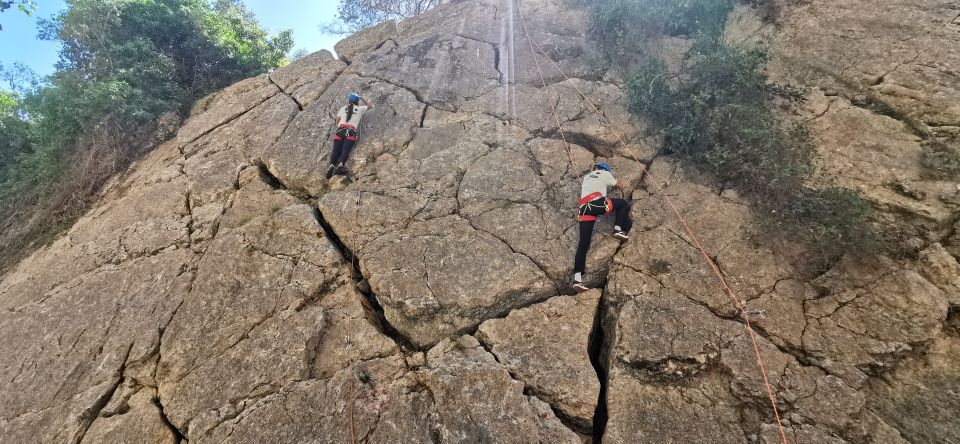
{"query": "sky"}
(19, 43)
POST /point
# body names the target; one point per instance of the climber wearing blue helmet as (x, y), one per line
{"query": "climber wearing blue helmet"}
(348, 120)
(594, 202)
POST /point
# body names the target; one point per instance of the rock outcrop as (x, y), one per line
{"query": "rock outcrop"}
(223, 291)
(547, 346)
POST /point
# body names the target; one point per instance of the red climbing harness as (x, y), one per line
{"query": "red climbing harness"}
(593, 205)
(346, 132)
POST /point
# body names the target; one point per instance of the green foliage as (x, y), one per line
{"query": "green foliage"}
(25, 6)
(299, 54)
(123, 64)
(354, 15)
(364, 376)
(16, 135)
(207, 45)
(718, 115)
(621, 24)
(836, 218)
(720, 118)
(768, 10)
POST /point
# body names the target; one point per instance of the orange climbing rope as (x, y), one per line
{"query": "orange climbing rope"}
(696, 239)
(353, 435)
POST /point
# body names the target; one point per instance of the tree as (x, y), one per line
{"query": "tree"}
(15, 132)
(354, 15)
(123, 64)
(299, 54)
(25, 6)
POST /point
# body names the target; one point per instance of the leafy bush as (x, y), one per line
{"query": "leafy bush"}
(123, 64)
(718, 116)
(16, 134)
(834, 221)
(621, 24)
(720, 119)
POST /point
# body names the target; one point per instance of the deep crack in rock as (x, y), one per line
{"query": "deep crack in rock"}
(599, 351)
(178, 436)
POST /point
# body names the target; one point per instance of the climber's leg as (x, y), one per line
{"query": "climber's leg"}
(623, 224)
(337, 150)
(580, 260)
(345, 152)
(345, 155)
(335, 154)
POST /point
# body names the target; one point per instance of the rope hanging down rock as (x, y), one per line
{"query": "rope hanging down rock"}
(686, 227)
(553, 105)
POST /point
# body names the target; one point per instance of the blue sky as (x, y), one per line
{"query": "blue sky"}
(18, 40)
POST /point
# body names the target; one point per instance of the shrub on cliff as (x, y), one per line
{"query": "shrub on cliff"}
(720, 119)
(621, 24)
(718, 116)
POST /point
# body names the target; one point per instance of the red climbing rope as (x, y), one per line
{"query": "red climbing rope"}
(553, 104)
(696, 239)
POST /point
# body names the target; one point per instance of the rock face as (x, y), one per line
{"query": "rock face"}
(547, 347)
(890, 78)
(223, 291)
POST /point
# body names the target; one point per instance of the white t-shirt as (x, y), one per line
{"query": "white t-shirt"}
(358, 111)
(597, 182)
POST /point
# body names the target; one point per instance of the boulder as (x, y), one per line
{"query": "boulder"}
(108, 326)
(942, 270)
(365, 40)
(441, 277)
(845, 325)
(480, 398)
(885, 162)
(901, 55)
(306, 79)
(381, 401)
(546, 346)
(641, 412)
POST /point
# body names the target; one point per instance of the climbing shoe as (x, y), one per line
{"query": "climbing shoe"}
(330, 171)
(578, 283)
(341, 170)
(623, 237)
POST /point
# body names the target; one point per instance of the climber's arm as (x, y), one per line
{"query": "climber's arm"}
(612, 181)
(367, 103)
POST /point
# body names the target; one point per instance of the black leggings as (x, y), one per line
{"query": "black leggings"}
(341, 151)
(622, 209)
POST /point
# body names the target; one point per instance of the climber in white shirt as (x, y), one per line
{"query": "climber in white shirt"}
(594, 202)
(348, 120)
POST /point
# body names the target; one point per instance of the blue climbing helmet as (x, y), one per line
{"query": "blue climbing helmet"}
(353, 97)
(603, 165)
